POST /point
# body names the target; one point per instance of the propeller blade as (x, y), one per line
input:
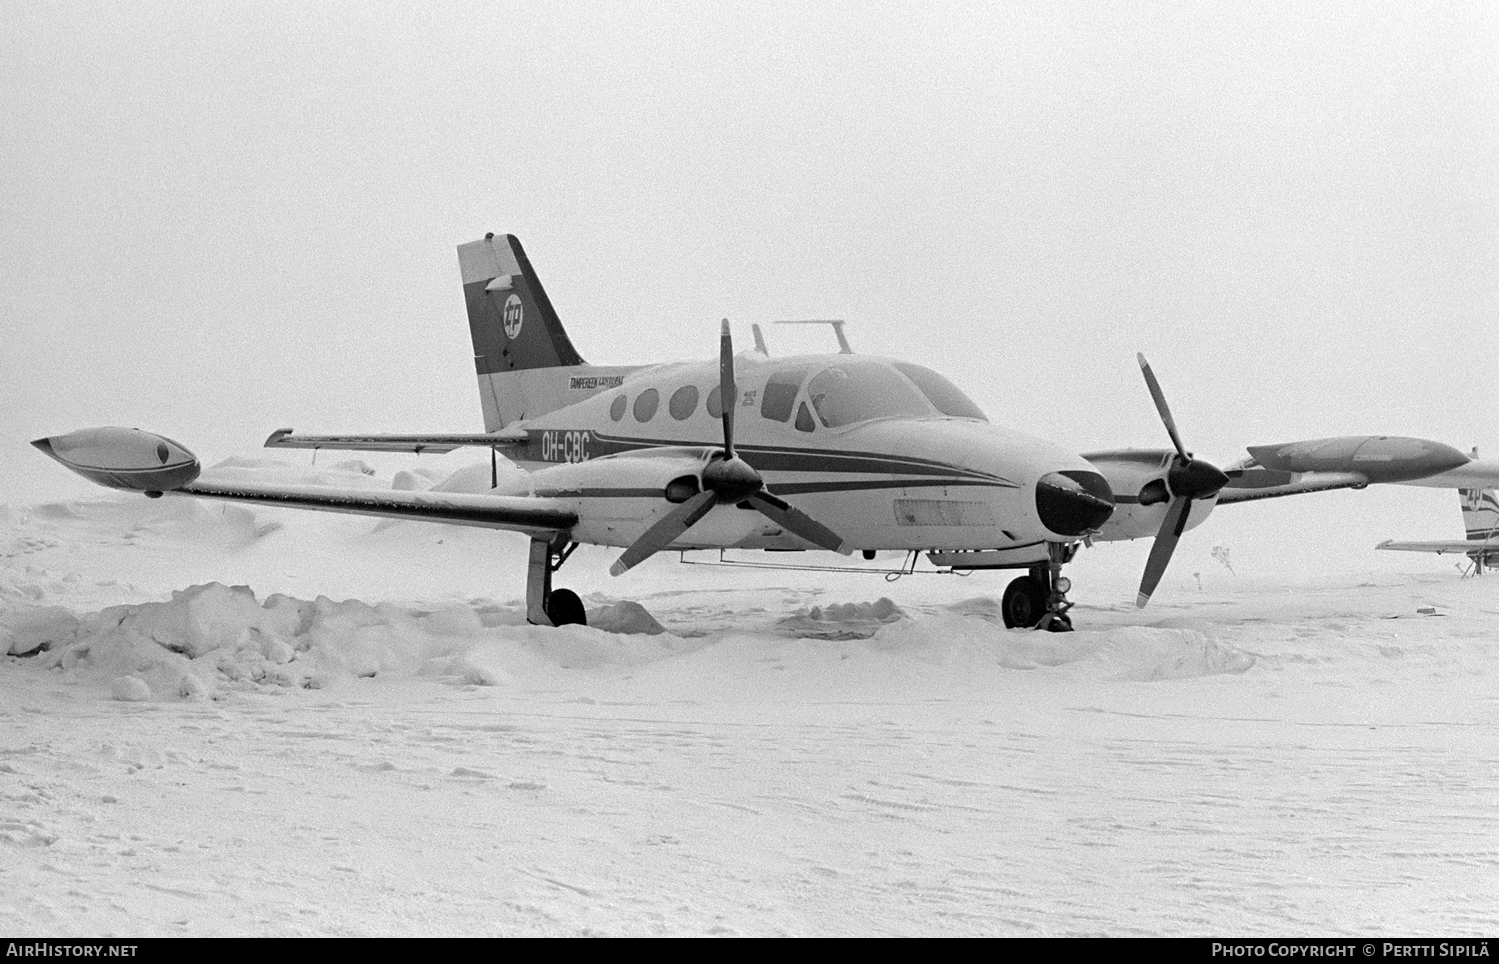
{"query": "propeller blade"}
(1165, 544)
(666, 531)
(727, 391)
(1161, 407)
(796, 521)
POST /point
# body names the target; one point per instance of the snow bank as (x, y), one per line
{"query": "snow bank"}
(24, 631)
(212, 637)
(349, 474)
(972, 632)
(843, 620)
(625, 617)
(477, 477)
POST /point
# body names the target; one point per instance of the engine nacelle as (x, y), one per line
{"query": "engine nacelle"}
(618, 497)
(669, 475)
(1141, 495)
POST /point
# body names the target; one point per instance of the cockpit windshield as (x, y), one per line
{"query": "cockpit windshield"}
(857, 391)
(943, 394)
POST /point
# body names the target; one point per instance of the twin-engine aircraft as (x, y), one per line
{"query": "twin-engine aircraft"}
(842, 452)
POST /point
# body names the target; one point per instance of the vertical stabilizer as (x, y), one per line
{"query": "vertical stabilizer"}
(526, 364)
(511, 318)
(1480, 514)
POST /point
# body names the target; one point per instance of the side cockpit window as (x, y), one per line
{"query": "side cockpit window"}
(779, 398)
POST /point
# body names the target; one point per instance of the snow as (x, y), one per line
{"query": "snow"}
(230, 721)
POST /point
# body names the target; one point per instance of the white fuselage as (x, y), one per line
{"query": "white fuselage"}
(912, 480)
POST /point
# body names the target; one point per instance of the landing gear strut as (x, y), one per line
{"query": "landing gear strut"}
(546, 606)
(1039, 600)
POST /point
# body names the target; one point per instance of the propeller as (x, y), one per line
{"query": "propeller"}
(1187, 479)
(727, 480)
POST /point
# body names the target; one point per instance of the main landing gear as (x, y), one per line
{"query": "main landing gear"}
(1039, 600)
(546, 606)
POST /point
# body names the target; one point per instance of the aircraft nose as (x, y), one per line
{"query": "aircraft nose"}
(1073, 503)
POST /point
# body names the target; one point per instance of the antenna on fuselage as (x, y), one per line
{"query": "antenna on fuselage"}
(759, 339)
(837, 324)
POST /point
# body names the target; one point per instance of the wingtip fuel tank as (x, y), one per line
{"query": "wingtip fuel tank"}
(124, 458)
(1380, 458)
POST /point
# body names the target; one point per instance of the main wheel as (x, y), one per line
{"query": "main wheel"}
(1024, 603)
(564, 608)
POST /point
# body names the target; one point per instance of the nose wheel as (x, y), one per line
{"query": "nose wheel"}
(1038, 600)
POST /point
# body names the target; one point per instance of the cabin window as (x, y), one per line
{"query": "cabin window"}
(645, 405)
(943, 394)
(617, 408)
(683, 402)
(804, 422)
(779, 398)
(857, 391)
(715, 402)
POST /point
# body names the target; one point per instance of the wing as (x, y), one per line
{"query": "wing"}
(518, 513)
(1443, 546)
(137, 461)
(1476, 474)
(1249, 484)
(284, 438)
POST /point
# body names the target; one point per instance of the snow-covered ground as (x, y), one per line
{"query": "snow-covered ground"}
(229, 721)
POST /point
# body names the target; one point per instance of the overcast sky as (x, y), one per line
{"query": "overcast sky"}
(222, 219)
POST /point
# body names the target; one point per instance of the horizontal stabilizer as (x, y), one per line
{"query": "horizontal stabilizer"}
(283, 438)
(1441, 547)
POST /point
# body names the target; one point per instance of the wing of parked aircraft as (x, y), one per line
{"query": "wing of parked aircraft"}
(517, 513)
(137, 461)
(1352, 462)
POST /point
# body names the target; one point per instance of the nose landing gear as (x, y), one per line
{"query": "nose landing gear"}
(1039, 600)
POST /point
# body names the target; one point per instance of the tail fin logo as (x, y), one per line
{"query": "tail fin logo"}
(1472, 499)
(514, 315)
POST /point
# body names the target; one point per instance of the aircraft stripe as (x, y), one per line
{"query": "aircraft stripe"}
(774, 458)
(782, 489)
(806, 488)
